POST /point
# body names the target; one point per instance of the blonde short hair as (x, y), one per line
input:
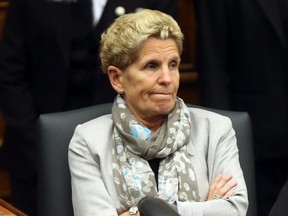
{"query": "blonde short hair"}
(121, 41)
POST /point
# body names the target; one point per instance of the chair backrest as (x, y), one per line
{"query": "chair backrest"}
(55, 131)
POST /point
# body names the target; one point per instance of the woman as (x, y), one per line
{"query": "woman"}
(152, 144)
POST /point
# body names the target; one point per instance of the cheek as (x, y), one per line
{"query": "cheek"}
(176, 85)
(176, 81)
(136, 91)
(139, 86)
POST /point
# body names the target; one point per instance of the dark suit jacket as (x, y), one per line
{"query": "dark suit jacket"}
(35, 59)
(280, 207)
(242, 63)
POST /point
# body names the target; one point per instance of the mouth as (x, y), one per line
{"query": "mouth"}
(162, 95)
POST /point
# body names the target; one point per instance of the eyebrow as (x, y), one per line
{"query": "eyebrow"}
(152, 59)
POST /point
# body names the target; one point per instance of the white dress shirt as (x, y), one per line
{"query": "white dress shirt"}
(97, 9)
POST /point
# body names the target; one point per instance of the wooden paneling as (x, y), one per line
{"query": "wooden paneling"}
(187, 23)
(3, 8)
(5, 191)
(2, 127)
(188, 89)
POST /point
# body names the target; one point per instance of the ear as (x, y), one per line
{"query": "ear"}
(115, 74)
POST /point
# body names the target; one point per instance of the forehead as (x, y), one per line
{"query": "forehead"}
(156, 46)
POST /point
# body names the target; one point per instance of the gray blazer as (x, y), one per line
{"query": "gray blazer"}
(212, 149)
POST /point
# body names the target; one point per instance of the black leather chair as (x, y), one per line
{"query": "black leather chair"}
(55, 131)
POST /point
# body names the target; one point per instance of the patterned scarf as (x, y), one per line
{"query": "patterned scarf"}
(134, 144)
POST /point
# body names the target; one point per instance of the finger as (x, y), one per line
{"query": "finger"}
(223, 181)
(215, 182)
(221, 184)
(228, 194)
(212, 189)
(227, 187)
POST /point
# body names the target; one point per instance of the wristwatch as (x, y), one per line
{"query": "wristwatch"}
(133, 211)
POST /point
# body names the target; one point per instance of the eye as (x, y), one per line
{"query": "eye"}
(151, 66)
(173, 65)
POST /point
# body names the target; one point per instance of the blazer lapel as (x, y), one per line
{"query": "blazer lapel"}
(271, 10)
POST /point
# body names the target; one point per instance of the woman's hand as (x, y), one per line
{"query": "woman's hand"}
(222, 187)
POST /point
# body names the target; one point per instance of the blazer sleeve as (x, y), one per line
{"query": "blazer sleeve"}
(219, 156)
(16, 100)
(90, 195)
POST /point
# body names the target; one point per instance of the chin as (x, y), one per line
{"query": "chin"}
(165, 107)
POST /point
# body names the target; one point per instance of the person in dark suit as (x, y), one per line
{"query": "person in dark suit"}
(47, 64)
(280, 207)
(242, 63)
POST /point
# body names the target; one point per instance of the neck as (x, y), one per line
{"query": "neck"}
(152, 124)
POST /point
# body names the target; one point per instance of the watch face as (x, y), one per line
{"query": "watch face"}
(133, 210)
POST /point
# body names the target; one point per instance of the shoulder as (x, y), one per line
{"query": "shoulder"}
(203, 115)
(104, 119)
(102, 122)
(95, 130)
(209, 124)
(93, 136)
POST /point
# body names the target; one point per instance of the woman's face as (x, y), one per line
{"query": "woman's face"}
(151, 82)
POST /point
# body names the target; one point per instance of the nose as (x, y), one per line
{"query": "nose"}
(165, 76)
